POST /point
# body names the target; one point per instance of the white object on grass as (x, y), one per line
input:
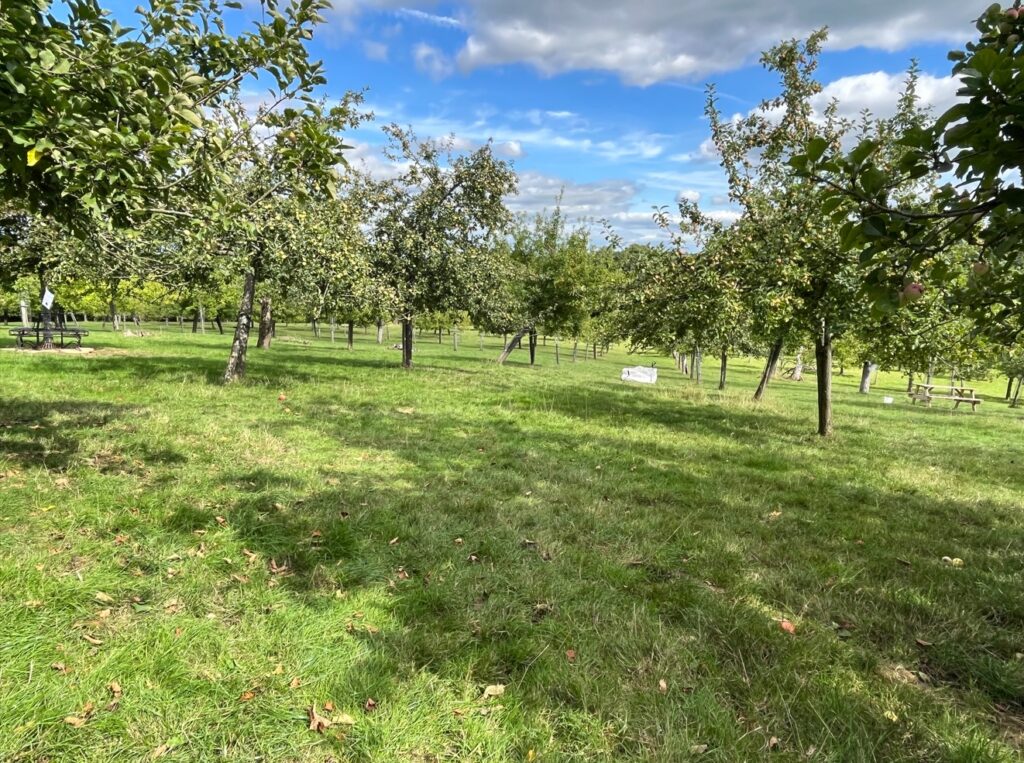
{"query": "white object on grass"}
(48, 297)
(887, 401)
(640, 375)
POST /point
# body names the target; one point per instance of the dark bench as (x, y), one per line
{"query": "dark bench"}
(75, 335)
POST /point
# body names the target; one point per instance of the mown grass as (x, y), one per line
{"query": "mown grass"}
(618, 558)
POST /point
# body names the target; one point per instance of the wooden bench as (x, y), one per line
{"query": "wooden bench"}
(39, 332)
(925, 393)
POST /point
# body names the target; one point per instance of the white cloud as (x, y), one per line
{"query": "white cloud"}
(659, 40)
(430, 18)
(431, 61)
(375, 51)
(879, 92)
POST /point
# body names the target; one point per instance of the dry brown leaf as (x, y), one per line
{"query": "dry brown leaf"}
(220, 521)
(92, 639)
(663, 686)
(75, 721)
(345, 720)
(317, 722)
(370, 705)
(329, 706)
(60, 667)
(278, 669)
(159, 752)
(787, 626)
(458, 541)
(406, 411)
(115, 689)
(103, 598)
(393, 541)
(402, 573)
(295, 683)
(103, 614)
(316, 534)
(773, 743)
(921, 642)
(247, 695)
(698, 749)
(570, 655)
(120, 540)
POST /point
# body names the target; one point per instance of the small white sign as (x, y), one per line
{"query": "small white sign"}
(640, 375)
(887, 401)
(48, 297)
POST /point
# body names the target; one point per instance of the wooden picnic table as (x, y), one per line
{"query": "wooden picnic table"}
(925, 393)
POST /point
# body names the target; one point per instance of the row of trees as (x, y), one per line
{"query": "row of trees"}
(154, 183)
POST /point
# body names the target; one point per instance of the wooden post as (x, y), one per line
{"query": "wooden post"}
(721, 373)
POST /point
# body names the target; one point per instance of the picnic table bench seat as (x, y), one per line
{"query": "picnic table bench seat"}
(926, 393)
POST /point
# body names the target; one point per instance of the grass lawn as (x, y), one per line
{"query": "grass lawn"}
(186, 569)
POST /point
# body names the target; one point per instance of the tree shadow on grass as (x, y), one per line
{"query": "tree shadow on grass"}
(495, 562)
(49, 434)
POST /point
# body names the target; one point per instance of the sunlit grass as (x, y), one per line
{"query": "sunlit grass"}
(618, 558)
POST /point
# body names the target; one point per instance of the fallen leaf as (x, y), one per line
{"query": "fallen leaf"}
(252, 556)
(92, 639)
(458, 541)
(774, 515)
(570, 655)
(278, 669)
(316, 534)
(922, 642)
(75, 721)
(344, 719)
(393, 541)
(773, 743)
(115, 689)
(406, 411)
(104, 598)
(220, 521)
(159, 752)
(295, 683)
(787, 626)
(370, 705)
(60, 667)
(663, 686)
(373, 630)
(278, 569)
(698, 749)
(103, 614)
(402, 573)
(494, 690)
(317, 722)
(329, 706)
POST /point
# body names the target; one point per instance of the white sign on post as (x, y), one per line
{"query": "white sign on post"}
(640, 375)
(48, 299)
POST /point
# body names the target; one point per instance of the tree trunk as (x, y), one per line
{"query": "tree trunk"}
(380, 331)
(220, 326)
(769, 368)
(440, 335)
(334, 329)
(25, 317)
(480, 338)
(236, 360)
(698, 363)
(407, 329)
(266, 324)
(316, 328)
(1009, 387)
(533, 346)
(558, 360)
(595, 350)
(455, 340)
(910, 382)
(931, 372)
(195, 322)
(823, 374)
(798, 369)
(351, 334)
(865, 377)
(575, 347)
(509, 346)
(724, 368)
(1016, 395)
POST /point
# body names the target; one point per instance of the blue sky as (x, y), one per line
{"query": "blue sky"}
(605, 98)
